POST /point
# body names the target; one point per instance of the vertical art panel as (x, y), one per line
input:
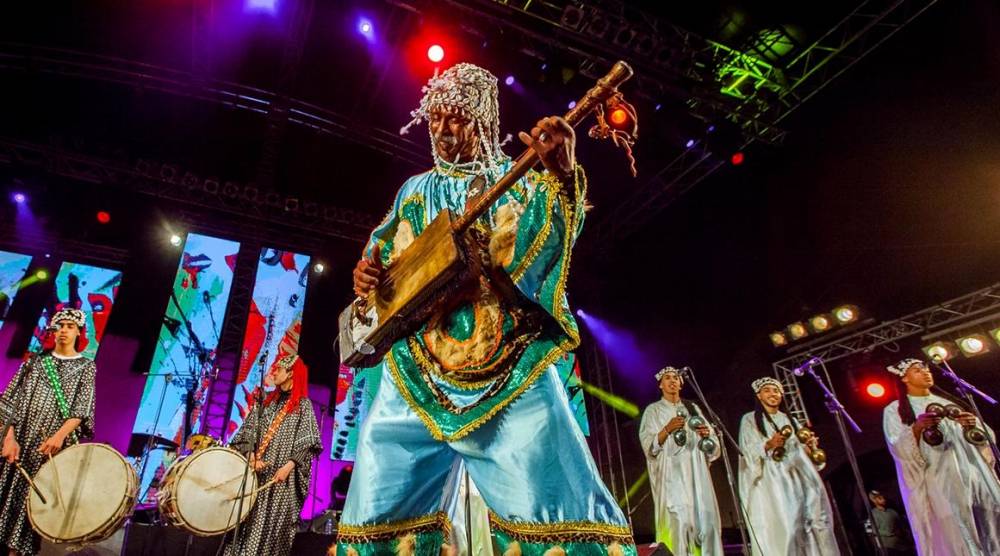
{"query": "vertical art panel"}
(185, 356)
(13, 266)
(79, 286)
(273, 325)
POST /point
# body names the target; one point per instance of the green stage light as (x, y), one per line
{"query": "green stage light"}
(634, 489)
(617, 403)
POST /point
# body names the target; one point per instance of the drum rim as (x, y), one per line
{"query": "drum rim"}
(184, 523)
(106, 530)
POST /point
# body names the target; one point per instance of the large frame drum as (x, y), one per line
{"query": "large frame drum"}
(89, 489)
(200, 493)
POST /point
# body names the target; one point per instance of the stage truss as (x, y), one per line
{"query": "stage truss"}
(952, 313)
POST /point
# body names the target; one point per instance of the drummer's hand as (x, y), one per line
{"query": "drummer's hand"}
(52, 445)
(368, 273)
(281, 475)
(11, 450)
(257, 465)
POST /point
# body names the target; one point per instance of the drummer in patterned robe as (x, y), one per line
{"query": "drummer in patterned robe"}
(51, 398)
(285, 425)
(477, 382)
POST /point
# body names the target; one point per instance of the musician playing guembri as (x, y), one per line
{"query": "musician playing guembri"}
(477, 381)
(51, 405)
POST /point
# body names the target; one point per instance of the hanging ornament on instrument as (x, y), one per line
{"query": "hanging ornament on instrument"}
(618, 121)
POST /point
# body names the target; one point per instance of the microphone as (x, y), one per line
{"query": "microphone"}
(801, 369)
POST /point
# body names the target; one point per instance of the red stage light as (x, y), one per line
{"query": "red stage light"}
(619, 116)
(435, 53)
(875, 390)
(737, 158)
(103, 216)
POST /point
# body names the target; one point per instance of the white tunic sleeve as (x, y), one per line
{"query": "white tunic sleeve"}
(752, 445)
(903, 445)
(649, 428)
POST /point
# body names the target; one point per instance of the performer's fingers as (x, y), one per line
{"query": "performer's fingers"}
(526, 139)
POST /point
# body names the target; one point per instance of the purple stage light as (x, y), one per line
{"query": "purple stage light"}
(689, 144)
(19, 198)
(571, 105)
(621, 347)
(366, 29)
(264, 6)
(658, 106)
(509, 81)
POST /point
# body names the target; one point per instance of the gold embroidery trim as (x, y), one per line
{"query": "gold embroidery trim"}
(348, 533)
(433, 428)
(562, 531)
(538, 243)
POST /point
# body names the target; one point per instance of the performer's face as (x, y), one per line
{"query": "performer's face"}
(281, 378)
(454, 135)
(670, 384)
(770, 396)
(67, 333)
(918, 376)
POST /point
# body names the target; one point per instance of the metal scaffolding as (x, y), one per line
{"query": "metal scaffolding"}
(170, 182)
(806, 74)
(951, 313)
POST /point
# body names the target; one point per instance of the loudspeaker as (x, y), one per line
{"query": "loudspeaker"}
(655, 549)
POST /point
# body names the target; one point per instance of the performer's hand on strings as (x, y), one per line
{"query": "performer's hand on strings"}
(368, 273)
(555, 142)
(11, 449)
(257, 464)
(52, 445)
(281, 475)
(776, 441)
(674, 424)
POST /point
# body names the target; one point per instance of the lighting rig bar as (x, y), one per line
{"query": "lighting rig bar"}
(806, 74)
(949, 313)
(170, 182)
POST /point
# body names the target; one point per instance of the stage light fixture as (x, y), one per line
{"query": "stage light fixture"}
(846, 314)
(269, 6)
(657, 107)
(820, 323)
(42, 274)
(940, 350)
(689, 144)
(435, 53)
(103, 216)
(19, 198)
(175, 240)
(509, 81)
(995, 334)
(778, 339)
(571, 105)
(318, 268)
(737, 158)
(973, 344)
(797, 330)
(875, 390)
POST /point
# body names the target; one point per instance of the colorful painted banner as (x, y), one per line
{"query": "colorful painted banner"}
(185, 355)
(79, 286)
(273, 325)
(13, 267)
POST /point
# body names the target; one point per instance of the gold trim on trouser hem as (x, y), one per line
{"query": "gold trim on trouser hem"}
(380, 532)
(562, 532)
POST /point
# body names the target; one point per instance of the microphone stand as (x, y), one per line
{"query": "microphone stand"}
(840, 414)
(966, 390)
(730, 476)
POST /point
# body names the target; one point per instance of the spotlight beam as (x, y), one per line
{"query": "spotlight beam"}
(617, 403)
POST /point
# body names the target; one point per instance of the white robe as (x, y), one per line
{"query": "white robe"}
(685, 506)
(951, 492)
(787, 507)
